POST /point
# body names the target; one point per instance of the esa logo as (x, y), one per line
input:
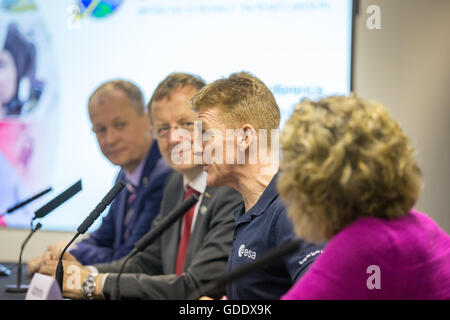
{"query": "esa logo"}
(246, 252)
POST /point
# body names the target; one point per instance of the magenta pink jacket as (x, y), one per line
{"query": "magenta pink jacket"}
(405, 258)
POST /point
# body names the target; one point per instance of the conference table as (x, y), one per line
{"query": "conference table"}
(11, 280)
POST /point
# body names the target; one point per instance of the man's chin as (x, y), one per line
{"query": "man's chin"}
(212, 181)
(116, 161)
(184, 167)
(123, 163)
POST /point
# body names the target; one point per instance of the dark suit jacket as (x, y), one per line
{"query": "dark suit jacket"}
(106, 243)
(151, 273)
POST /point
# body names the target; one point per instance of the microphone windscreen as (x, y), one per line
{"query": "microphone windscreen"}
(24, 203)
(58, 200)
(107, 199)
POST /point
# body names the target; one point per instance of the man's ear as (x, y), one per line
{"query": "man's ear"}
(247, 136)
(148, 124)
(149, 134)
(150, 129)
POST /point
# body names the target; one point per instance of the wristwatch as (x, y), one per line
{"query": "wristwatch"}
(88, 286)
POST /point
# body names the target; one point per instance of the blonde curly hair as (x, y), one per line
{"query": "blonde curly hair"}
(345, 158)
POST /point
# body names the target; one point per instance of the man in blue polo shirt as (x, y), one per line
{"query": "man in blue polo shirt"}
(249, 164)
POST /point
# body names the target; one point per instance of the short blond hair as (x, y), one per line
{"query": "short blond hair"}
(345, 158)
(241, 98)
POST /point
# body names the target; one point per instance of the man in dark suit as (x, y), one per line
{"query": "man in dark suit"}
(194, 250)
(123, 130)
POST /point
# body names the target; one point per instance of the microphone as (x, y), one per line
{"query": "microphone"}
(40, 213)
(154, 233)
(27, 201)
(58, 200)
(231, 276)
(85, 225)
(151, 236)
(19, 288)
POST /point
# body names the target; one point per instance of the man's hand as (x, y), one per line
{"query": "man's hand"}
(74, 275)
(35, 263)
(56, 247)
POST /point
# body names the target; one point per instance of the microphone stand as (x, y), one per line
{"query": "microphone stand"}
(116, 292)
(18, 206)
(154, 233)
(85, 225)
(19, 287)
(40, 213)
(59, 275)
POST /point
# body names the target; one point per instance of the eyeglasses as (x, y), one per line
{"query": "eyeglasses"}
(164, 131)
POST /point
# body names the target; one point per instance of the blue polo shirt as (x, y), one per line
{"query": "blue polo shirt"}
(264, 227)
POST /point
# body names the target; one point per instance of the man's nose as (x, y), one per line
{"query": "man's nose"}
(198, 149)
(111, 137)
(174, 136)
(178, 135)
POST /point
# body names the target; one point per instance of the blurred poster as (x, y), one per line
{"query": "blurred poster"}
(28, 107)
(53, 53)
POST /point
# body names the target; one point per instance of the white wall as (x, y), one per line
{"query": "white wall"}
(11, 240)
(406, 66)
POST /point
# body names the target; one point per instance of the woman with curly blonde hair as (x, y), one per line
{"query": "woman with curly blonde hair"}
(349, 177)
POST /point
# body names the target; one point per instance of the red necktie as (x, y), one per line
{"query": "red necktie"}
(186, 233)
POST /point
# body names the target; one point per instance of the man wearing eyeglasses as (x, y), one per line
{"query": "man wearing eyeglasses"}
(123, 131)
(194, 249)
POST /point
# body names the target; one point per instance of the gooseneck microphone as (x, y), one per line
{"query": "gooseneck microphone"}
(85, 225)
(152, 235)
(106, 201)
(40, 213)
(18, 288)
(18, 206)
(58, 200)
(25, 202)
(149, 237)
(250, 267)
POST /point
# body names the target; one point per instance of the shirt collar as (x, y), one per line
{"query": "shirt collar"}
(198, 183)
(264, 201)
(135, 177)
